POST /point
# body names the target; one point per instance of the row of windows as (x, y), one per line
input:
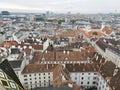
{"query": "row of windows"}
(88, 83)
(36, 78)
(94, 78)
(26, 83)
(88, 73)
(38, 84)
(36, 74)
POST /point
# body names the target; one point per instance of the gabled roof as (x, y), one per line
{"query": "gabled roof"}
(82, 67)
(37, 68)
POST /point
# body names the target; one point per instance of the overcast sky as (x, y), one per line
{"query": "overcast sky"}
(62, 6)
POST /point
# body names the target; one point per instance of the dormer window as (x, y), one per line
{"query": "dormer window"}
(43, 59)
(66, 58)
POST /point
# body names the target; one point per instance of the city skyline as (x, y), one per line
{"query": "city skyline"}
(63, 6)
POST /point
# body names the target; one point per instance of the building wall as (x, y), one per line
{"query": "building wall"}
(89, 79)
(12, 57)
(37, 79)
(102, 83)
(99, 50)
(114, 57)
(85, 79)
(45, 45)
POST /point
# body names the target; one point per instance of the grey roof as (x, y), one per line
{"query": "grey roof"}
(112, 49)
(16, 64)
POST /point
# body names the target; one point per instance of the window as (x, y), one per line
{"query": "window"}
(82, 78)
(88, 78)
(34, 74)
(30, 79)
(87, 82)
(26, 83)
(94, 78)
(99, 88)
(95, 73)
(25, 75)
(75, 78)
(25, 79)
(81, 82)
(82, 73)
(94, 82)
(39, 77)
(30, 75)
(88, 73)
(39, 74)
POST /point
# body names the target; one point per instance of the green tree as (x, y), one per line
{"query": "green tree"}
(95, 33)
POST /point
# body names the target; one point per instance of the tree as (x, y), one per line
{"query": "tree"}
(95, 33)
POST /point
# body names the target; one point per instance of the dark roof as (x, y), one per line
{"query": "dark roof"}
(107, 69)
(115, 81)
(16, 64)
(102, 44)
(15, 51)
(117, 51)
(53, 88)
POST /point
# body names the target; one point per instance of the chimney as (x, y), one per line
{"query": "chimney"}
(63, 52)
(68, 52)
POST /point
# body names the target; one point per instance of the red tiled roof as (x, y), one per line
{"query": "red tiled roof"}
(36, 68)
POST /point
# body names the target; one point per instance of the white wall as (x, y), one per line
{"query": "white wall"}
(45, 44)
(112, 56)
(89, 79)
(37, 79)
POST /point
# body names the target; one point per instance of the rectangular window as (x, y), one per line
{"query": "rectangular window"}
(25, 75)
(94, 78)
(25, 79)
(81, 82)
(82, 78)
(75, 78)
(87, 82)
